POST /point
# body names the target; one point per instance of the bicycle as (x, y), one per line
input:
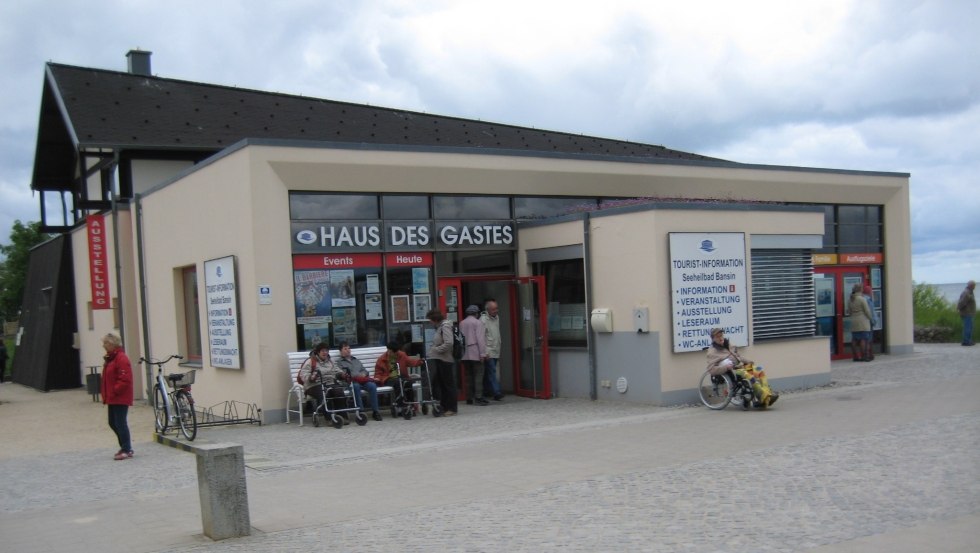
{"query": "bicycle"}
(174, 407)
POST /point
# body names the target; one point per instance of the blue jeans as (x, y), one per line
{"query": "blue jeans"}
(372, 390)
(491, 384)
(117, 422)
(967, 330)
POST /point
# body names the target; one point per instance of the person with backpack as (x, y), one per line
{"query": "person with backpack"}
(474, 354)
(441, 355)
(317, 367)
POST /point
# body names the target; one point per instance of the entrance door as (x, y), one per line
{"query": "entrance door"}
(531, 356)
(833, 288)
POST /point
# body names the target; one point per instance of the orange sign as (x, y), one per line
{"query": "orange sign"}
(861, 258)
(825, 259)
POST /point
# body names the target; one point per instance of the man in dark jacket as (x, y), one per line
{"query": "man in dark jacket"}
(967, 307)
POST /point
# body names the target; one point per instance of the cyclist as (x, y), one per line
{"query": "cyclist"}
(724, 356)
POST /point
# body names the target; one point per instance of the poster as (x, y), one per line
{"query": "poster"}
(876, 277)
(823, 288)
(312, 290)
(342, 288)
(421, 303)
(420, 280)
(708, 288)
(372, 307)
(400, 312)
(417, 335)
(877, 321)
(372, 284)
(344, 325)
(315, 333)
(221, 297)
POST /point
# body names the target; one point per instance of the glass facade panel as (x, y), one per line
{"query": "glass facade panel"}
(333, 206)
(410, 296)
(474, 262)
(536, 208)
(565, 288)
(405, 207)
(471, 207)
(851, 214)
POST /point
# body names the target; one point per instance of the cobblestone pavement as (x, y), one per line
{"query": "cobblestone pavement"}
(891, 447)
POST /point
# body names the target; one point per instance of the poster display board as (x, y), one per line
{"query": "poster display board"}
(708, 288)
(221, 296)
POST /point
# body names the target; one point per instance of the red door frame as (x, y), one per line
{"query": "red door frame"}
(444, 283)
(841, 297)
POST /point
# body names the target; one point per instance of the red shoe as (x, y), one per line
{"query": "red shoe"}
(123, 455)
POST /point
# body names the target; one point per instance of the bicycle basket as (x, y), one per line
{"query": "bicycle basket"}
(186, 379)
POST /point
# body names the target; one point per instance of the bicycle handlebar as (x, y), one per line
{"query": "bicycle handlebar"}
(160, 364)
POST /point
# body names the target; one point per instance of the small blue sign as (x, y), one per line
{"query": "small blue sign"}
(707, 246)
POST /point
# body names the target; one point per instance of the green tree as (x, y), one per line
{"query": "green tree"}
(13, 268)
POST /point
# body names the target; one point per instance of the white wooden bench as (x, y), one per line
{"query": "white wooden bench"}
(367, 356)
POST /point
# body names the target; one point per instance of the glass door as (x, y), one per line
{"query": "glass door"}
(531, 357)
(834, 284)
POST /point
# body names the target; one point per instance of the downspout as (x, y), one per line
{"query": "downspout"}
(138, 205)
(115, 245)
(590, 335)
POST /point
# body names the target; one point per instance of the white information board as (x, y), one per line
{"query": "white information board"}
(221, 295)
(707, 282)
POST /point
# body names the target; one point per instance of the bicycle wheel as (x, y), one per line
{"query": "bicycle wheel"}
(715, 390)
(161, 414)
(186, 416)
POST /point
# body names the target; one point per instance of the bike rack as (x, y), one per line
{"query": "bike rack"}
(230, 414)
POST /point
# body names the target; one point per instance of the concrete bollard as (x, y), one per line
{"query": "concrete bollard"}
(224, 497)
(221, 486)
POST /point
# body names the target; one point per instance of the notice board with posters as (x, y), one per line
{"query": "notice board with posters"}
(708, 288)
(224, 328)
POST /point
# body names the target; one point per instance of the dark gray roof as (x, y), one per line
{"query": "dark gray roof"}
(84, 108)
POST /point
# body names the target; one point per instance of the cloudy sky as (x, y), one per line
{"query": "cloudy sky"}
(846, 84)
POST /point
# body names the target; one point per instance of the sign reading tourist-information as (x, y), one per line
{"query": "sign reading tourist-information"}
(221, 294)
(707, 281)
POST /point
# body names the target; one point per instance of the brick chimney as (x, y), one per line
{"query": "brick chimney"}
(139, 62)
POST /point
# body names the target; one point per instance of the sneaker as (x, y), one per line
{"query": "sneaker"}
(377, 416)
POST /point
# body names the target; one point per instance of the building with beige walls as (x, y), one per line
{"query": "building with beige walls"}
(234, 251)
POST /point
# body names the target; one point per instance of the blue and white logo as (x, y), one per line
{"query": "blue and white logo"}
(707, 246)
(217, 271)
(306, 237)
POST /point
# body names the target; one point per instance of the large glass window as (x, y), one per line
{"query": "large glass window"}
(565, 286)
(410, 296)
(852, 229)
(474, 262)
(405, 207)
(333, 206)
(189, 314)
(471, 207)
(339, 305)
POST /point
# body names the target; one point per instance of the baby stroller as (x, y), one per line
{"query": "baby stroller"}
(337, 403)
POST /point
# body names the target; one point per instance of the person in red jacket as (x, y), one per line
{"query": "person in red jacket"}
(117, 392)
(393, 365)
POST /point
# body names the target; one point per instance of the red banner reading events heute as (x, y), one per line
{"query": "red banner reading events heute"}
(98, 262)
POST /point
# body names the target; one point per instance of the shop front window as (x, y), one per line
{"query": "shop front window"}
(405, 207)
(188, 314)
(475, 262)
(338, 298)
(409, 297)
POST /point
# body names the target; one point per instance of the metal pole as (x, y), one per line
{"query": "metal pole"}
(590, 335)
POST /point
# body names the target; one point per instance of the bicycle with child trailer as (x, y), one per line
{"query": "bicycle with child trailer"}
(173, 407)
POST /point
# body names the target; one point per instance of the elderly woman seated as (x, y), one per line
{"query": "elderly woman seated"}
(724, 356)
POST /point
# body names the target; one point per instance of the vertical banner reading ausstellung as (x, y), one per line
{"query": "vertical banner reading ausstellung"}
(224, 332)
(98, 262)
(707, 282)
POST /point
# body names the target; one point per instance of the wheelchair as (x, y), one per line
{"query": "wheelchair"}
(718, 390)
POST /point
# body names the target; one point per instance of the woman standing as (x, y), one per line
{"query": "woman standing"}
(860, 323)
(117, 392)
(441, 353)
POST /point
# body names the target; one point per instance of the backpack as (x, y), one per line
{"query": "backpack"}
(299, 377)
(459, 343)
